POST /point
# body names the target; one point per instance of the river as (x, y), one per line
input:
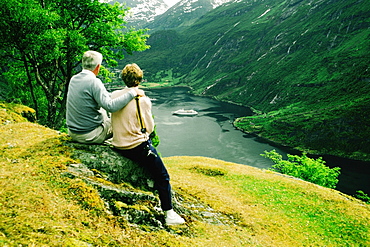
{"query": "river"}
(211, 134)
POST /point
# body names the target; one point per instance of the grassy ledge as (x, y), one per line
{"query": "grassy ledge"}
(40, 207)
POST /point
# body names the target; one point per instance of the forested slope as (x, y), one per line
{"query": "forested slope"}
(302, 63)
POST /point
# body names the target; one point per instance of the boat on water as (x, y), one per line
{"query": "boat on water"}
(185, 112)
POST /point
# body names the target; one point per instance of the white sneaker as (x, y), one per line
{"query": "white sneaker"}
(172, 218)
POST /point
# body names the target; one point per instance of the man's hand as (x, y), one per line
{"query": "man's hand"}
(139, 92)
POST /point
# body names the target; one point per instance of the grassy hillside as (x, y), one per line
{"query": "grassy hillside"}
(337, 129)
(282, 58)
(240, 205)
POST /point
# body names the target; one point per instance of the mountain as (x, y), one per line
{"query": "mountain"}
(183, 14)
(142, 12)
(302, 64)
(157, 15)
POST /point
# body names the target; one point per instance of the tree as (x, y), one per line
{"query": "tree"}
(43, 40)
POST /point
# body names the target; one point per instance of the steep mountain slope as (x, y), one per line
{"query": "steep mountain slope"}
(295, 57)
(143, 11)
(183, 14)
(157, 15)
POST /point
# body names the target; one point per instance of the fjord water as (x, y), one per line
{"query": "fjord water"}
(211, 134)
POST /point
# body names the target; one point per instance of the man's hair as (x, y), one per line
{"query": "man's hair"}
(132, 75)
(91, 59)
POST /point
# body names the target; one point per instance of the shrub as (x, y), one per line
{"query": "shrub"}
(154, 137)
(305, 168)
(362, 196)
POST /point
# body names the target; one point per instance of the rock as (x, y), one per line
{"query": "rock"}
(127, 190)
(136, 203)
(136, 207)
(80, 169)
(116, 168)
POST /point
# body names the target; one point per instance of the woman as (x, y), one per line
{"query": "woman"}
(132, 126)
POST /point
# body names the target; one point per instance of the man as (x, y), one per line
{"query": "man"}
(88, 101)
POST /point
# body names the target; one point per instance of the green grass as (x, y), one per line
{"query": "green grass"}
(284, 210)
(41, 207)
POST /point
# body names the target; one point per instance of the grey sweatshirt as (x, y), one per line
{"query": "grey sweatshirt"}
(86, 95)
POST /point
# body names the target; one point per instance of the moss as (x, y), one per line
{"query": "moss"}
(124, 206)
(15, 113)
(141, 207)
(119, 205)
(213, 172)
(86, 195)
(72, 242)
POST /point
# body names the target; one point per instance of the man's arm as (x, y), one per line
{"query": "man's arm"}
(104, 100)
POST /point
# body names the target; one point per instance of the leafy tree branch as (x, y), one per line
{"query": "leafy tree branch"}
(49, 38)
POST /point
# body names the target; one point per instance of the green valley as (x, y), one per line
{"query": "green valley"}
(303, 66)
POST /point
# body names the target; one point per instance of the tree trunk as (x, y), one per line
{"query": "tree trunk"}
(29, 80)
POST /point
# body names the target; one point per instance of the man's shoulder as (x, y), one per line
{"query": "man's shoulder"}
(84, 76)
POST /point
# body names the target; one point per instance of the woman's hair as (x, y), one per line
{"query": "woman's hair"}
(91, 59)
(132, 75)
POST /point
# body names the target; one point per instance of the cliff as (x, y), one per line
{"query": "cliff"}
(58, 193)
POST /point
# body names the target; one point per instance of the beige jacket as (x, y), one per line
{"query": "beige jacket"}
(125, 122)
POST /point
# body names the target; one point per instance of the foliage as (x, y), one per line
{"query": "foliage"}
(42, 43)
(363, 196)
(305, 168)
(154, 137)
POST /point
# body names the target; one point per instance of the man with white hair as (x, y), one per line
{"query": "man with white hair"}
(88, 100)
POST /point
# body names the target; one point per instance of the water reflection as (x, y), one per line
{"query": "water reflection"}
(209, 134)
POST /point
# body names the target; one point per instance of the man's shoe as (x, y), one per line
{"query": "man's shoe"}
(172, 218)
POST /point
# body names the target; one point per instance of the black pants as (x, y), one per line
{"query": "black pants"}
(154, 164)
